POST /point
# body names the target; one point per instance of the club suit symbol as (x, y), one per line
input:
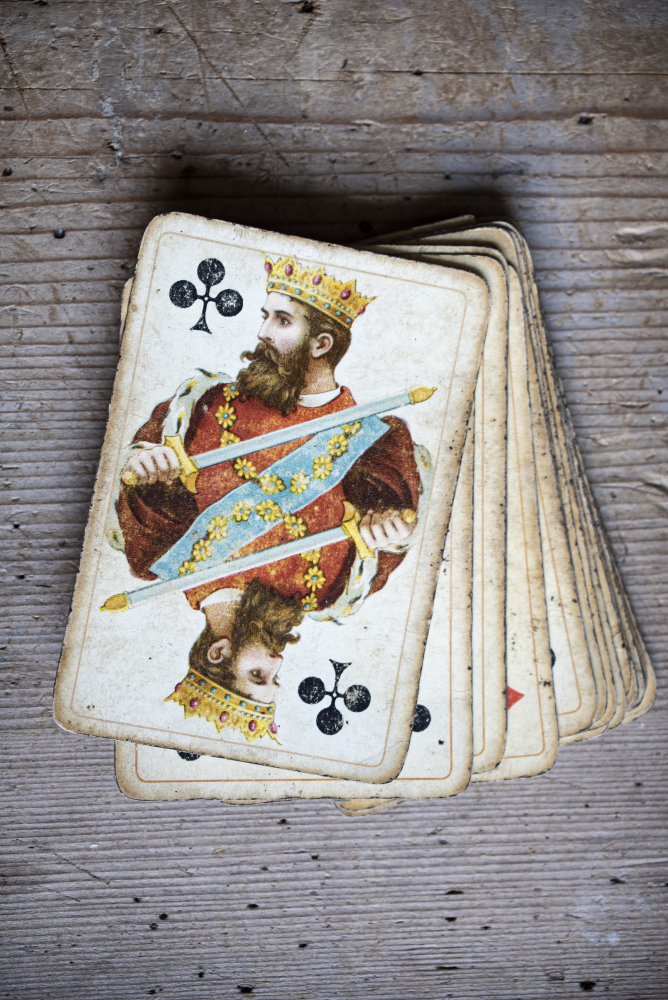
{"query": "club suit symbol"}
(421, 719)
(329, 720)
(210, 272)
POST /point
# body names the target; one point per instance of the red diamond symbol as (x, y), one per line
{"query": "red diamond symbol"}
(512, 696)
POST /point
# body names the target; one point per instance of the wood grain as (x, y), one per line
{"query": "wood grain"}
(337, 121)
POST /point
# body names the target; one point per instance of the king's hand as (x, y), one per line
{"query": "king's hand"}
(386, 528)
(152, 465)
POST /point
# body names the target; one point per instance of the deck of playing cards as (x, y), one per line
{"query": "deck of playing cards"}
(342, 543)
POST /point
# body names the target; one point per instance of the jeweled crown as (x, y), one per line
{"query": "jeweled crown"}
(338, 299)
(200, 696)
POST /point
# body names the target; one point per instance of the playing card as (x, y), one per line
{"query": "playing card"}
(564, 633)
(599, 613)
(629, 647)
(573, 680)
(562, 585)
(590, 597)
(489, 518)
(438, 762)
(613, 641)
(532, 734)
(355, 511)
(490, 526)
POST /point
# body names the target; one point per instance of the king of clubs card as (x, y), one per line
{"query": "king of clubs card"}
(369, 470)
(257, 526)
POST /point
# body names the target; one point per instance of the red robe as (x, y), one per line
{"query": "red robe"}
(154, 517)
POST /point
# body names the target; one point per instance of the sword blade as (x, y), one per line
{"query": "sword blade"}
(303, 430)
(220, 570)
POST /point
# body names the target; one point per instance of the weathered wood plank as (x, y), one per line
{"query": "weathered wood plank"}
(183, 136)
(83, 251)
(158, 169)
(20, 195)
(89, 216)
(562, 39)
(397, 95)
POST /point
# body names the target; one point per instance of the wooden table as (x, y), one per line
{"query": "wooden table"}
(335, 120)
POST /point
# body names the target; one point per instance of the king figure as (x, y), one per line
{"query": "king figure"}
(270, 497)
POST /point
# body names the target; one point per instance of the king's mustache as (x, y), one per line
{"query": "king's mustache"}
(263, 352)
(285, 364)
(274, 377)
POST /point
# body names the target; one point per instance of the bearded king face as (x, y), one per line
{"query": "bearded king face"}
(279, 365)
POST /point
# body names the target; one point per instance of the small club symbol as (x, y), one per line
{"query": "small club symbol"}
(210, 272)
(421, 718)
(329, 720)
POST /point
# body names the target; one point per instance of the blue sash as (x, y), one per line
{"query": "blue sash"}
(277, 493)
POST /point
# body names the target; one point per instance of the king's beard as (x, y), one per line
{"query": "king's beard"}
(276, 379)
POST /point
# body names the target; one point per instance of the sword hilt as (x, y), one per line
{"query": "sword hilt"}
(130, 478)
(350, 527)
(187, 475)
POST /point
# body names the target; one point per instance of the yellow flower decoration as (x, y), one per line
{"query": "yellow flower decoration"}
(186, 567)
(310, 603)
(312, 556)
(322, 467)
(217, 528)
(245, 469)
(227, 437)
(230, 391)
(268, 510)
(350, 429)
(225, 415)
(295, 525)
(314, 578)
(299, 483)
(271, 483)
(337, 445)
(202, 550)
(216, 534)
(241, 511)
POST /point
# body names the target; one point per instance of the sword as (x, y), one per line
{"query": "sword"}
(191, 465)
(347, 529)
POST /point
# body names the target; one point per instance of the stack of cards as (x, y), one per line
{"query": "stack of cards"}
(342, 543)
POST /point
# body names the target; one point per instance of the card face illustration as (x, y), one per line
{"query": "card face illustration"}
(264, 542)
(438, 762)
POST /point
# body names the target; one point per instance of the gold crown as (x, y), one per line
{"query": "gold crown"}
(338, 299)
(200, 696)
